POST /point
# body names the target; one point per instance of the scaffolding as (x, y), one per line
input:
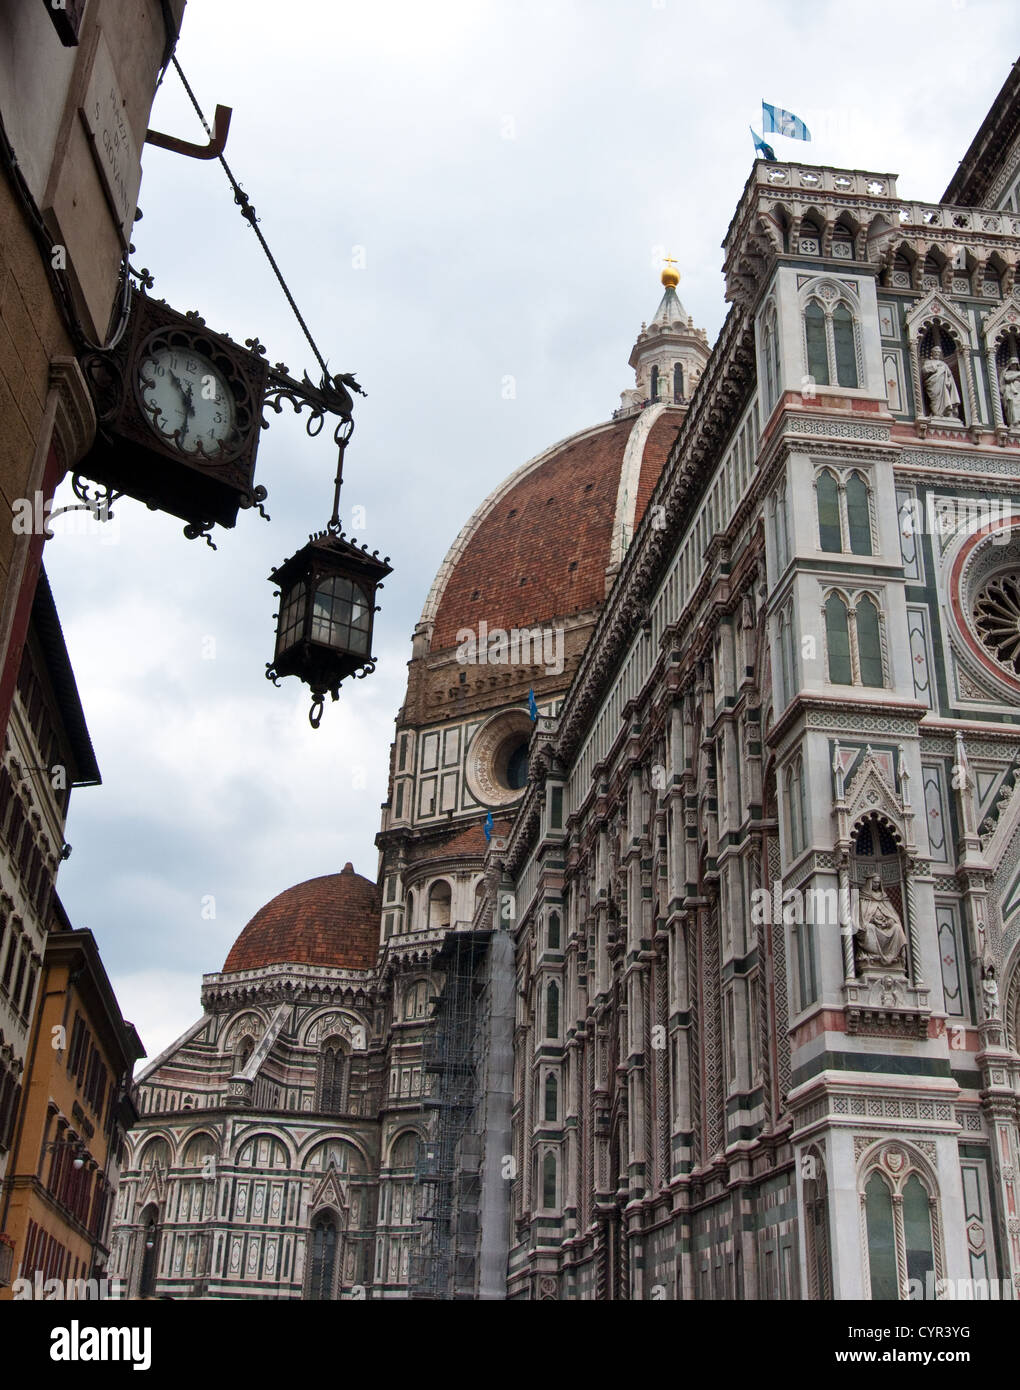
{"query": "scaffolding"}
(448, 1172)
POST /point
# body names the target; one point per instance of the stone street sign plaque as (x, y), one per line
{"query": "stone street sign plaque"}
(113, 147)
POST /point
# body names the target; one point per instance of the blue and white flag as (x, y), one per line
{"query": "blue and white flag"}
(775, 119)
(488, 826)
(532, 706)
(761, 146)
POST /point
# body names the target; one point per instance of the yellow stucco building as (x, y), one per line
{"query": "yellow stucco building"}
(69, 1138)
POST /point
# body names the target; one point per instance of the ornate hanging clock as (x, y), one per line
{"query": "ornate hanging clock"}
(180, 413)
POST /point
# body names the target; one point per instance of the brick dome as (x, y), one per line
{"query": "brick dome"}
(538, 547)
(333, 920)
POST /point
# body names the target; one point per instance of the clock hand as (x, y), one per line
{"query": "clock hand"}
(185, 390)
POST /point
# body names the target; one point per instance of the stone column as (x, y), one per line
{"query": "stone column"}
(846, 925)
(910, 892)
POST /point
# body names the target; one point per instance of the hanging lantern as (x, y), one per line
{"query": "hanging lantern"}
(327, 606)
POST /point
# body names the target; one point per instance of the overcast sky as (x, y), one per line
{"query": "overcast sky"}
(460, 195)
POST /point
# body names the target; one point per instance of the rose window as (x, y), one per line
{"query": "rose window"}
(997, 619)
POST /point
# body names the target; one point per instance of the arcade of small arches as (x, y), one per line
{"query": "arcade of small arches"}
(433, 904)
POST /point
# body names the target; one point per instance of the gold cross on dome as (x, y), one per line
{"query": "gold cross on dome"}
(670, 274)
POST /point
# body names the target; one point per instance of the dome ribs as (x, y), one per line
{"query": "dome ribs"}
(554, 530)
(330, 921)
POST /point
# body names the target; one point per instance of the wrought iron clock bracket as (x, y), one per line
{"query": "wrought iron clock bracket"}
(100, 505)
(195, 529)
(332, 396)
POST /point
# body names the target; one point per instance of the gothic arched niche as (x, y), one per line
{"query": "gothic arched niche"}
(323, 1264)
(1012, 1003)
(877, 887)
(901, 1223)
(155, 1154)
(263, 1151)
(198, 1148)
(405, 1149)
(241, 1038)
(817, 1229)
(333, 1073)
(439, 905)
(345, 1158)
(150, 1252)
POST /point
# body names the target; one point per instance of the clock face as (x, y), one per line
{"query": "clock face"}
(187, 400)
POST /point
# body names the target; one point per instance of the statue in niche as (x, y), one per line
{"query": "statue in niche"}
(989, 991)
(940, 385)
(1009, 390)
(879, 938)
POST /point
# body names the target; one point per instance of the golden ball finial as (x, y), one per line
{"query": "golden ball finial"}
(670, 275)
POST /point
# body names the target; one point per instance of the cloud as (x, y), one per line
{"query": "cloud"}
(161, 1003)
(456, 194)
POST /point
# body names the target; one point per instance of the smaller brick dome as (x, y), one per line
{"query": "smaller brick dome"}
(333, 920)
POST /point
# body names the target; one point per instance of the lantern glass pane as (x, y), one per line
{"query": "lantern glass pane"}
(341, 616)
(292, 608)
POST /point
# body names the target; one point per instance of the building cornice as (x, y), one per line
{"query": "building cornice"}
(717, 405)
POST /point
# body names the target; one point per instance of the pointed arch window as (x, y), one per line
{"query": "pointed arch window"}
(844, 346)
(552, 1010)
(678, 382)
(554, 931)
(917, 1232)
(245, 1048)
(439, 905)
(551, 1097)
(322, 1258)
(869, 642)
(150, 1254)
(830, 531)
(837, 640)
(787, 659)
(817, 349)
(858, 514)
(795, 804)
(819, 1242)
(843, 503)
(901, 1226)
(878, 1208)
(830, 341)
(771, 354)
(784, 661)
(416, 1000)
(332, 1079)
(655, 383)
(781, 530)
(853, 639)
(549, 1181)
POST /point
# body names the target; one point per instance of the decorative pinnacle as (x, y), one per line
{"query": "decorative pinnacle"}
(670, 275)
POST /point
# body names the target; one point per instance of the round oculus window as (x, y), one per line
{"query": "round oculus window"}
(996, 616)
(497, 762)
(984, 594)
